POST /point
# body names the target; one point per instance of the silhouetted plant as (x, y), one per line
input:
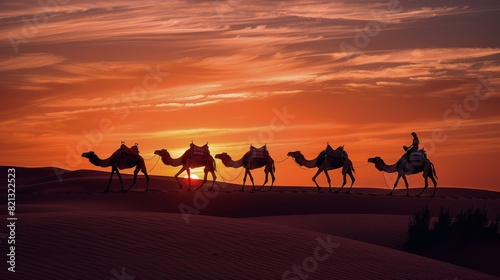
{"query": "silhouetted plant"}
(418, 228)
(469, 225)
(444, 222)
(494, 226)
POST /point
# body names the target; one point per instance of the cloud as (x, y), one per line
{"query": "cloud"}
(29, 61)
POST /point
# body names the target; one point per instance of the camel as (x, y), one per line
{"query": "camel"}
(403, 168)
(119, 160)
(326, 165)
(249, 163)
(189, 161)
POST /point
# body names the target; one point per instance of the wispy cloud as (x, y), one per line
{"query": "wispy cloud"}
(29, 61)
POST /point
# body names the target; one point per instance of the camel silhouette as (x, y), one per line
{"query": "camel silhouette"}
(403, 168)
(324, 163)
(189, 160)
(250, 162)
(120, 160)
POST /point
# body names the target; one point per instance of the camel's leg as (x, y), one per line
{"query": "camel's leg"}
(244, 180)
(272, 180)
(188, 171)
(204, 179)
(426, 184)
(328, 179)
(120, 178)
(352, 179)
(212, 171)
(177, 176)
(147, 177)
(435, 185)
(395, 183)
(137, 168)
(315, 176)
(251, 179)
(406, 185)
(344, 180)
(110, 179)
(265, 180)
(434, 182)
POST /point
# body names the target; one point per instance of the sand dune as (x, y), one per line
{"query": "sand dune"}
(70, 229)
(384, 230)
(89, 245)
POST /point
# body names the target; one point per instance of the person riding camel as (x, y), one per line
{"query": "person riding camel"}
(413, 146)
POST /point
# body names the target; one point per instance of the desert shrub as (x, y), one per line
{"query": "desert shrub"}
(468, 225)
(471, 223)
(494, 226)
(418, 228)
(443, 225)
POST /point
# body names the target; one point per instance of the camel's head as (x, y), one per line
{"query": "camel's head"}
(294, 154)
(221, 156)
(374, 159)
(377, 161)
(161, 152)
(88, 154)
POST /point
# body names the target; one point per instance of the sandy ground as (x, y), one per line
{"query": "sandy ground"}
(72, 230)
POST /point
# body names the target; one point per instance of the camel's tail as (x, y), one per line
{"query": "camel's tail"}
(351, 165)
(273, 167)
(434, 170)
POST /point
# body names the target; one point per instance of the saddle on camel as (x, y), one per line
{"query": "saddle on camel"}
(257, 153)
(195, 150)
(124, 150)
(337, 153)
(416, 158)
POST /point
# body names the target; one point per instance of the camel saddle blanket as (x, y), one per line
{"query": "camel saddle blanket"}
(417, 157)
(124, 150)
(199, 151)
(259, 152)
(337, 153)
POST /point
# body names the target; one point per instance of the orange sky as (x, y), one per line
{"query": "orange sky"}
(85, 75)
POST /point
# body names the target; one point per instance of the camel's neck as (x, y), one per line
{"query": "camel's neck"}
(95, 160)
(387, 168)
(302, 161)
(168, 160)
(228, 162)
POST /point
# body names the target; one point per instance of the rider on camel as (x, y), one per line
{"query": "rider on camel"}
(413, 146)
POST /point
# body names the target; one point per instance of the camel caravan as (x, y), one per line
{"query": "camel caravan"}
(414, 161)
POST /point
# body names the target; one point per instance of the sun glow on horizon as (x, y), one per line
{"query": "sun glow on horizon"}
(193, 176)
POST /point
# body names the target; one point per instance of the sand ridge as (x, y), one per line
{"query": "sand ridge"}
(72, 230)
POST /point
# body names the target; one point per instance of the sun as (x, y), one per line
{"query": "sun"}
(193, 176)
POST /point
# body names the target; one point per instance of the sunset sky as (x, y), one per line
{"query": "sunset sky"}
(85, 75)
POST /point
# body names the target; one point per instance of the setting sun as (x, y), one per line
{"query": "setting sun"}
(193, 176)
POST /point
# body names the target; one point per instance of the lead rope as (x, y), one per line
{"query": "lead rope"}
(155, 164)
(225, 180)
(280, 161)
(150, 157)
